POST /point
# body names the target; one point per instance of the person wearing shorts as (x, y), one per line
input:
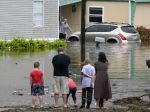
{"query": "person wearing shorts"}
(63, 28)
(37, 84)
(60, 63)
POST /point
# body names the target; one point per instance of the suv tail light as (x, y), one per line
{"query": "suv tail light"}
(122, 36)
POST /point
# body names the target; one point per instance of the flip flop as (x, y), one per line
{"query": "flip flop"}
(55, 106)
(33, 107)
(65, 106)
(41, 106)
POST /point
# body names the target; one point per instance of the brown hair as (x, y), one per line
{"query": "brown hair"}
(60, 49)
(36, 64)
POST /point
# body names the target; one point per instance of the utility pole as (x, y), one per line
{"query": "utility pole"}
(129, 12)
(83, 11)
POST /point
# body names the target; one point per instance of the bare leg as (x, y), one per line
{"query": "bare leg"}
(97, 104)
(68, 96)
(33, 101)
(56, 97)
(65, 99)
(41, 101)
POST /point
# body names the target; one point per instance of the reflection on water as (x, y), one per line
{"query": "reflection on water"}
(126, 61)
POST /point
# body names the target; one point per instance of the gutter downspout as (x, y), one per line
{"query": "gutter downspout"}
(129, 16)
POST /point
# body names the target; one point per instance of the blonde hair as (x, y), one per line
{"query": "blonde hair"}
(87, 61)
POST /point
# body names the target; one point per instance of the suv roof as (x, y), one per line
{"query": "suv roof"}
(110, 23)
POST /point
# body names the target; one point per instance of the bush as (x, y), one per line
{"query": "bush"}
(19, 43)
(2, 45)
(57, 43)
(24, 44)
(144, 33)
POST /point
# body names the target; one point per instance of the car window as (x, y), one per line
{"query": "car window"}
(93, 28)
(111, 28)
(106, 28)
(129, 29)
(101, 28)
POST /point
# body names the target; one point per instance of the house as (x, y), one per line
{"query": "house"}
(135, 12)
(36, 19)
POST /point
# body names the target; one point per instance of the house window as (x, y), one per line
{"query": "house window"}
(96, 14)
(38, 13)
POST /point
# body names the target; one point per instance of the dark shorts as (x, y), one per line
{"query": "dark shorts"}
(37, 90)
(62, 36)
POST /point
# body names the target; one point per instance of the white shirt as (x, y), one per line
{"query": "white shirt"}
(90, 71)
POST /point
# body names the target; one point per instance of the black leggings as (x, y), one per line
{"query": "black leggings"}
(87, 95)
(73, 92)
(101, 102)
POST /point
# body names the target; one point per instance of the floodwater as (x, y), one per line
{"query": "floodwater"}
(127, 70)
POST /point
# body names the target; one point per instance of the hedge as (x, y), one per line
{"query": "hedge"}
(25, 44)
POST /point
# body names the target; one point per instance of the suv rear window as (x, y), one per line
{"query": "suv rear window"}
(129, 29)
(101, 28)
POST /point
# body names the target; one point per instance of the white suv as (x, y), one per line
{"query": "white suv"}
(108, 32)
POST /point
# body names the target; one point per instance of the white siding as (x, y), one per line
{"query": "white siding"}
(16, 19)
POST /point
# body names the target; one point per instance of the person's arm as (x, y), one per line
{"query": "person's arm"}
(53, 60)
(69, 60)
(93, 75)
(42, 77)
(95, 69)
(30, 80)
(69, 28)
(84, 73)
(87, 75)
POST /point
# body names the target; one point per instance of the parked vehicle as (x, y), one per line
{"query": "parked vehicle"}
(108, 32)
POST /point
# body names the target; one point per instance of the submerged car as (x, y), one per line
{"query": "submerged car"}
(108, 32)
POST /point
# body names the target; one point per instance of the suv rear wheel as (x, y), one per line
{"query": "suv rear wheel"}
(73, 39)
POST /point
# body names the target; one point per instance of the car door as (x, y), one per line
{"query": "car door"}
(99, 30)
(102, 31)
(105, 31)
(91, 33)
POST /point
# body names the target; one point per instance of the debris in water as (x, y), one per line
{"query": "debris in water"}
(17, 93)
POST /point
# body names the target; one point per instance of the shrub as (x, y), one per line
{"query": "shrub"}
(2, 45)
(19, 43)
(144, 33)
(41, 44)
(57, 43)
(24, 44)
(32, 44)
